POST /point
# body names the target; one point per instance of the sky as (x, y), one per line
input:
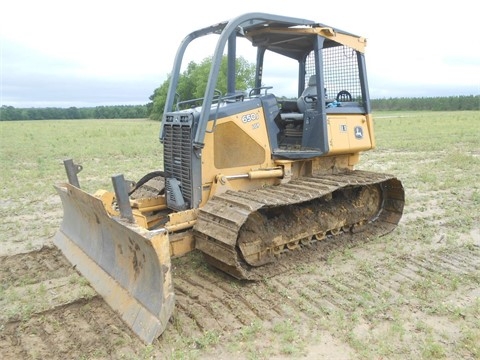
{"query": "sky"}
(100, 52)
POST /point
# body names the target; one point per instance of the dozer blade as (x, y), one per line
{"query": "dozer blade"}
(127, 265)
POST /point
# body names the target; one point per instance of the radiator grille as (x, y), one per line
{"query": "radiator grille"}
(177, 148)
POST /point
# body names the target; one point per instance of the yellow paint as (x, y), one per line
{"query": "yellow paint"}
(348, 134)
(238, 145)
(355, 42)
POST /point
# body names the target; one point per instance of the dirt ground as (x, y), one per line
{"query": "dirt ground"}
(374, 299)
(217, 317)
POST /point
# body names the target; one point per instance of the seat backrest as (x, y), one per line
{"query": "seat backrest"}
(311, 89)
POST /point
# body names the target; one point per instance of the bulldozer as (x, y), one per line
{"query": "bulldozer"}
(248, 176)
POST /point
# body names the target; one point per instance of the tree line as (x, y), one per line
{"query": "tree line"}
(55, 113)
(191, 85)
(448, 103)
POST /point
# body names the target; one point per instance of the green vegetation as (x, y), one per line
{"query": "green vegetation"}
(154, 109)
(32, 152)
(31, 159)
(445, 103)
(192, 84)
(410, 294)
(193, 81)
(51, 113)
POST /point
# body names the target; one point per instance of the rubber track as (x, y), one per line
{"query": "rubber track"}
(220, 221)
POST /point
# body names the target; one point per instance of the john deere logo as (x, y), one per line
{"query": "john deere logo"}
(358, 132)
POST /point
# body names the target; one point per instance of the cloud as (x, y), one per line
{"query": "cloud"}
(105, 52)
(55, 82)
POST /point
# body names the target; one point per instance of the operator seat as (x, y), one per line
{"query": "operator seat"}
(307, 104)
(302, 103)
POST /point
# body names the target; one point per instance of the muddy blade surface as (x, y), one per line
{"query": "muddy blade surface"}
(245, 233)
(127, 265)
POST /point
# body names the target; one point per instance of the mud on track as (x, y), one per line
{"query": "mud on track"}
(52, 313)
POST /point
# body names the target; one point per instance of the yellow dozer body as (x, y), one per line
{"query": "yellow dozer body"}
(246, 176)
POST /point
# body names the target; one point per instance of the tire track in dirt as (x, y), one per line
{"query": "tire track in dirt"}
(317, 304)
(208, 300)
(204, 309)
(35, 266)
(457, 265)
(438, 267)
(83, 328)
(36, 282)
(255, 307)
(240, 311)
(284, 297)
(48, 311)
(216, 302)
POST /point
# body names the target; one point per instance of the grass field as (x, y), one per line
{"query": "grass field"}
(415, 294)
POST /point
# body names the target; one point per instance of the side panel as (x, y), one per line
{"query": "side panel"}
(349, 133)
(234, 147)
(238, 144)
